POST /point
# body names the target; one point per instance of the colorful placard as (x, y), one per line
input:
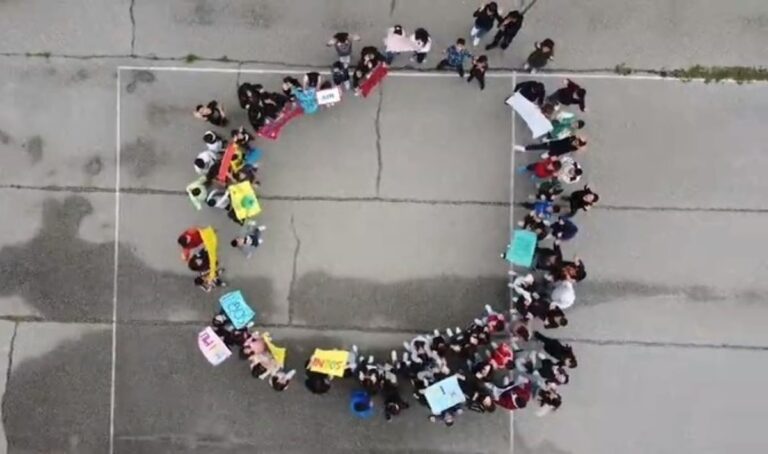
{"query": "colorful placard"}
(213, 348)
(330, 362)
(226, 162)
(522, 247)
(444, 394)
(211, 243)
(277, 352)
(243, 200)
(376, 76)
(238, 311)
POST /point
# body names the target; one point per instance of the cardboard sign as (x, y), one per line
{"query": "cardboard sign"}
(277, 352)
(272, 130)
(226, 162)
(376, 76)
(238, 311)
(330, 362)
(244, 200)
(211, 243)
(213, 348)
(520, 251)
(329, 96)
(530, 112)
(444, 394)
(197, 201)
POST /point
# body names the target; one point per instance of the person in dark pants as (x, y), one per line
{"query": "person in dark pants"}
(541, 55)
(479, 67)
(571, 94)
(485, 17)
(455, 56)
(423, 43)
(212, 113)
(582, 199)
(562, 353)
(532, 90)
(556, 148)
(508, 29)
(563, 229)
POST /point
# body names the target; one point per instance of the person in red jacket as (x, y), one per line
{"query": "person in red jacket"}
(543, 169)
(515, 397)
(189, 240)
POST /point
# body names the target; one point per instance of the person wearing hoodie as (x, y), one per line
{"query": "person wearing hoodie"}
(485, 17)
(422, 44)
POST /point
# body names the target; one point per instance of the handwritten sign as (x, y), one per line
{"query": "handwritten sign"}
(212, 347)
(444, 394)
(211, 243)
(330, 362)
(329, 96)
(521, 249)
(277, 352)
(244, 200)
(237, 309)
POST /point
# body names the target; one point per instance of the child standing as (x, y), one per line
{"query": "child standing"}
(479, 67)
(541, 55)
(342, 42)
(455, 56)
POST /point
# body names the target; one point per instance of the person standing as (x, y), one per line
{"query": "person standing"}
(422, 43)
(342, 42)
(582, 199)
(541, 55)
(212, 112)
(455, 56)
(564, 124)
(485, 17)
(556, 147)
(479, 67)
(543, 169)
(340, 75)
(395, 43)
(213, 142)
(570, 94)
(508, 29)
(532, 90)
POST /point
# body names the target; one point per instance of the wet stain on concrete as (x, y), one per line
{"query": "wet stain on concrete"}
(320, 298)
(66, 391)
(34, 148)
(162, 115)
(140, 156)
(139, 77)
(203, 13)
(5, 138)
(259, 14)
(81, 75)
(594, 291)
(93, 167)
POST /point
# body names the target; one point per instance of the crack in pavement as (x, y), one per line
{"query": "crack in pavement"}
(292, 284)
(133, 26)
(8, 373)
(392, 6)
(377, 126)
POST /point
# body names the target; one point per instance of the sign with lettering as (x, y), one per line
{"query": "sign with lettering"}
(520, 251)
(329, 96)
(212, 347)
(444, 394)
(238, 311)
(330, 362)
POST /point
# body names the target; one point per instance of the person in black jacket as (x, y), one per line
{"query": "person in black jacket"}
(562, 353)
(485, 17)
(572, 93)
(532, 90)
(582, 199)
(508, 28)
(556, 147)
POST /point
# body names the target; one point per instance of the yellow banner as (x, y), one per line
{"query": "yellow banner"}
(331, 362)
(211, 242)
(244, 200)
(277, 352)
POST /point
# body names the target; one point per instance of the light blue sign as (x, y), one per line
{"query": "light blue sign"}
(520, 251)
(444, 394)
(237, 309)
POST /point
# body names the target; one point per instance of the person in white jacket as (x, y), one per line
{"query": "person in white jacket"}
(563, 294)
(423, 44)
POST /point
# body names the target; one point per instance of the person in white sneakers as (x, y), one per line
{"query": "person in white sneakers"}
(485, 17)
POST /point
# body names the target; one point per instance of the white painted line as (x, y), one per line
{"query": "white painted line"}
(115, 270)
(511, 227)
(406, 73)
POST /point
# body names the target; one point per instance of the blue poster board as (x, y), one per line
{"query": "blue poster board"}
(237, 309)
(253, 156)
(444, 394)
(521, 248)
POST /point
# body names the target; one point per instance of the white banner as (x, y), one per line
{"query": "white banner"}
(213, 348)
(531, 113)
(329, 96)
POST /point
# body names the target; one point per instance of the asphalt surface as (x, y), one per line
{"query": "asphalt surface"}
(385, 217)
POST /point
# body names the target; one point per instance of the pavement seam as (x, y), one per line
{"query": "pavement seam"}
(133, 26)
(392, 6)
(292, 284)
(377, 126)
(392, 200)
(8, 374)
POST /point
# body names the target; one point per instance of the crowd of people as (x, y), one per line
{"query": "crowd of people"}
(501, 358)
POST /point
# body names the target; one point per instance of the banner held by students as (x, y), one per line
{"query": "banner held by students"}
(444, 394)
(520, 251)
(530, 112)
(238, 311)
(213, 348)
(330, 362)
